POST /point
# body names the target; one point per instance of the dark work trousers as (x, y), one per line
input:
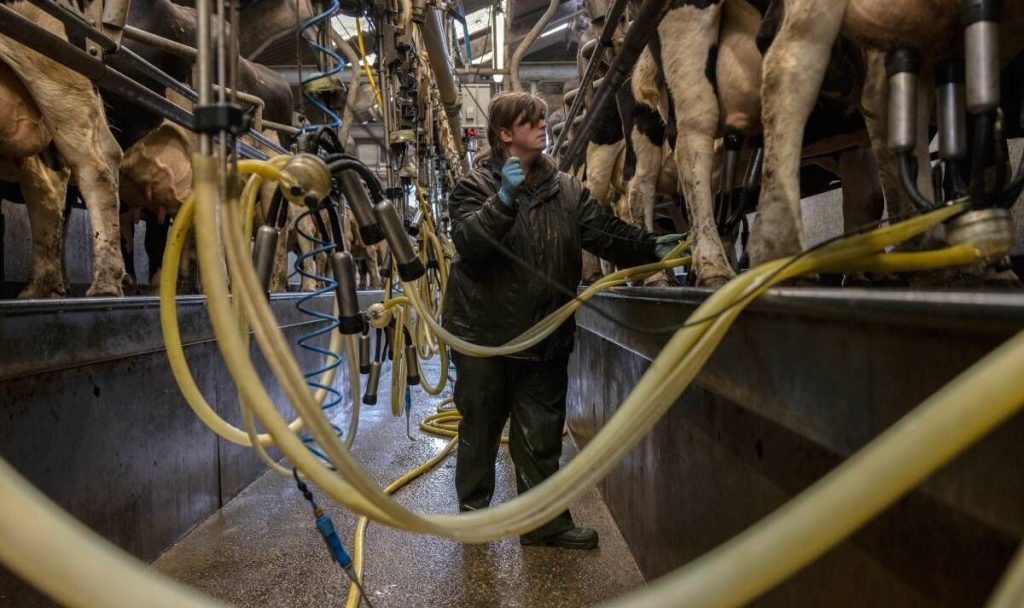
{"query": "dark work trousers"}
(487, 392)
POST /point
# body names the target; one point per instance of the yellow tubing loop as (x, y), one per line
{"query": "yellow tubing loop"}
(72, 565)
(172, 336)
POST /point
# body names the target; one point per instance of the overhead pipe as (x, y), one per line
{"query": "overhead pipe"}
(548, 71)
(528, 41)
(433, 40)
(171, 46)
(651, 11)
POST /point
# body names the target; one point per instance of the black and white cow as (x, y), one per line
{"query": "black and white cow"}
(703, 70)
(796, 64)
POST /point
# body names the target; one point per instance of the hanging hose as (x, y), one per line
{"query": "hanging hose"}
(366, 65)
(339, 64)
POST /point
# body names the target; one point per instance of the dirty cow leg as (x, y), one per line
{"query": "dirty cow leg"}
(375, 256)
(642, 190)
(84, 141)
(688, 35)
(44, 190)
(306, 226)
(601, 161)
(794, 68)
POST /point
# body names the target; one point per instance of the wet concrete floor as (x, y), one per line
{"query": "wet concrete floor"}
(262, 549)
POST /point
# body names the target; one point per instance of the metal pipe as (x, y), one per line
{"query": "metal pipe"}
(203, 67)
(433, 40)
(901, 67)
(547, 71)
(651, 11)
(949, 80)
(557, 129)
(282, 128)
(587, 50)
(171, 46)
(26, 32)
(980, 19)
(528, 41)
(595, 61)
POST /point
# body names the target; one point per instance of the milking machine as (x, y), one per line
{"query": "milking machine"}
(973, 155)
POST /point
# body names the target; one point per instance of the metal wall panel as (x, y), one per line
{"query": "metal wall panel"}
(802, 380)
(93, 417)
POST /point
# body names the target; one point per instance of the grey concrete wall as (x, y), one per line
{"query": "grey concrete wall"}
(94, 418)
(799, 384)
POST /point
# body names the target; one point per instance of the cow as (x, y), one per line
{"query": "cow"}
(703, 70)
(795, 66)
(371, 258)
(55, 128)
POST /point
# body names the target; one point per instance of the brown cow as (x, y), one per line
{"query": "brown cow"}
(46, 103)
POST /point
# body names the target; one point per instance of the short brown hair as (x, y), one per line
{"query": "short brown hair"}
(509, 110)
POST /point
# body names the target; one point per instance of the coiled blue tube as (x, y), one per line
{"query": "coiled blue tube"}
(339, 65)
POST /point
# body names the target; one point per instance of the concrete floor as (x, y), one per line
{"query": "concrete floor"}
(261, 549)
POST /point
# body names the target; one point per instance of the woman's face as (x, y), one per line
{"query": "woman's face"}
(525, 137)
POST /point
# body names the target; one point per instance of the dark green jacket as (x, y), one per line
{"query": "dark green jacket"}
(492, 299)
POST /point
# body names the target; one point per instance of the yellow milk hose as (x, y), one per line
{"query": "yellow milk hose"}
(176, 353)
(366, 64)
(74, 566)
(531, 509)
(1009, 592)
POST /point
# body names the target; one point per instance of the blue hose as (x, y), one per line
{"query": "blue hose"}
(331, 359)
(335, 120)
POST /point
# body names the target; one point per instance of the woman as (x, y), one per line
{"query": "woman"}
(518, 200)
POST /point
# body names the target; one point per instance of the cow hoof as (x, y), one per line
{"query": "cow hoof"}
(36, 292)
(103, 292)
(713, 282)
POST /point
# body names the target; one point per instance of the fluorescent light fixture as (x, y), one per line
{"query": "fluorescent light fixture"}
(499, 41)
(555, 30)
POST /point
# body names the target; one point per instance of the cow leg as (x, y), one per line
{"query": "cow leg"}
(642, 190)
(44, 190)
(794, 68)
(306, 225)
(374, 258)
(863, 200)
(688, 37)
(279, 276)
(94, 163)
(84, 141)
(601, 161)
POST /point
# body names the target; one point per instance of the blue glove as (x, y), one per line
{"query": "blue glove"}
(512, 178)
(665, 243)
